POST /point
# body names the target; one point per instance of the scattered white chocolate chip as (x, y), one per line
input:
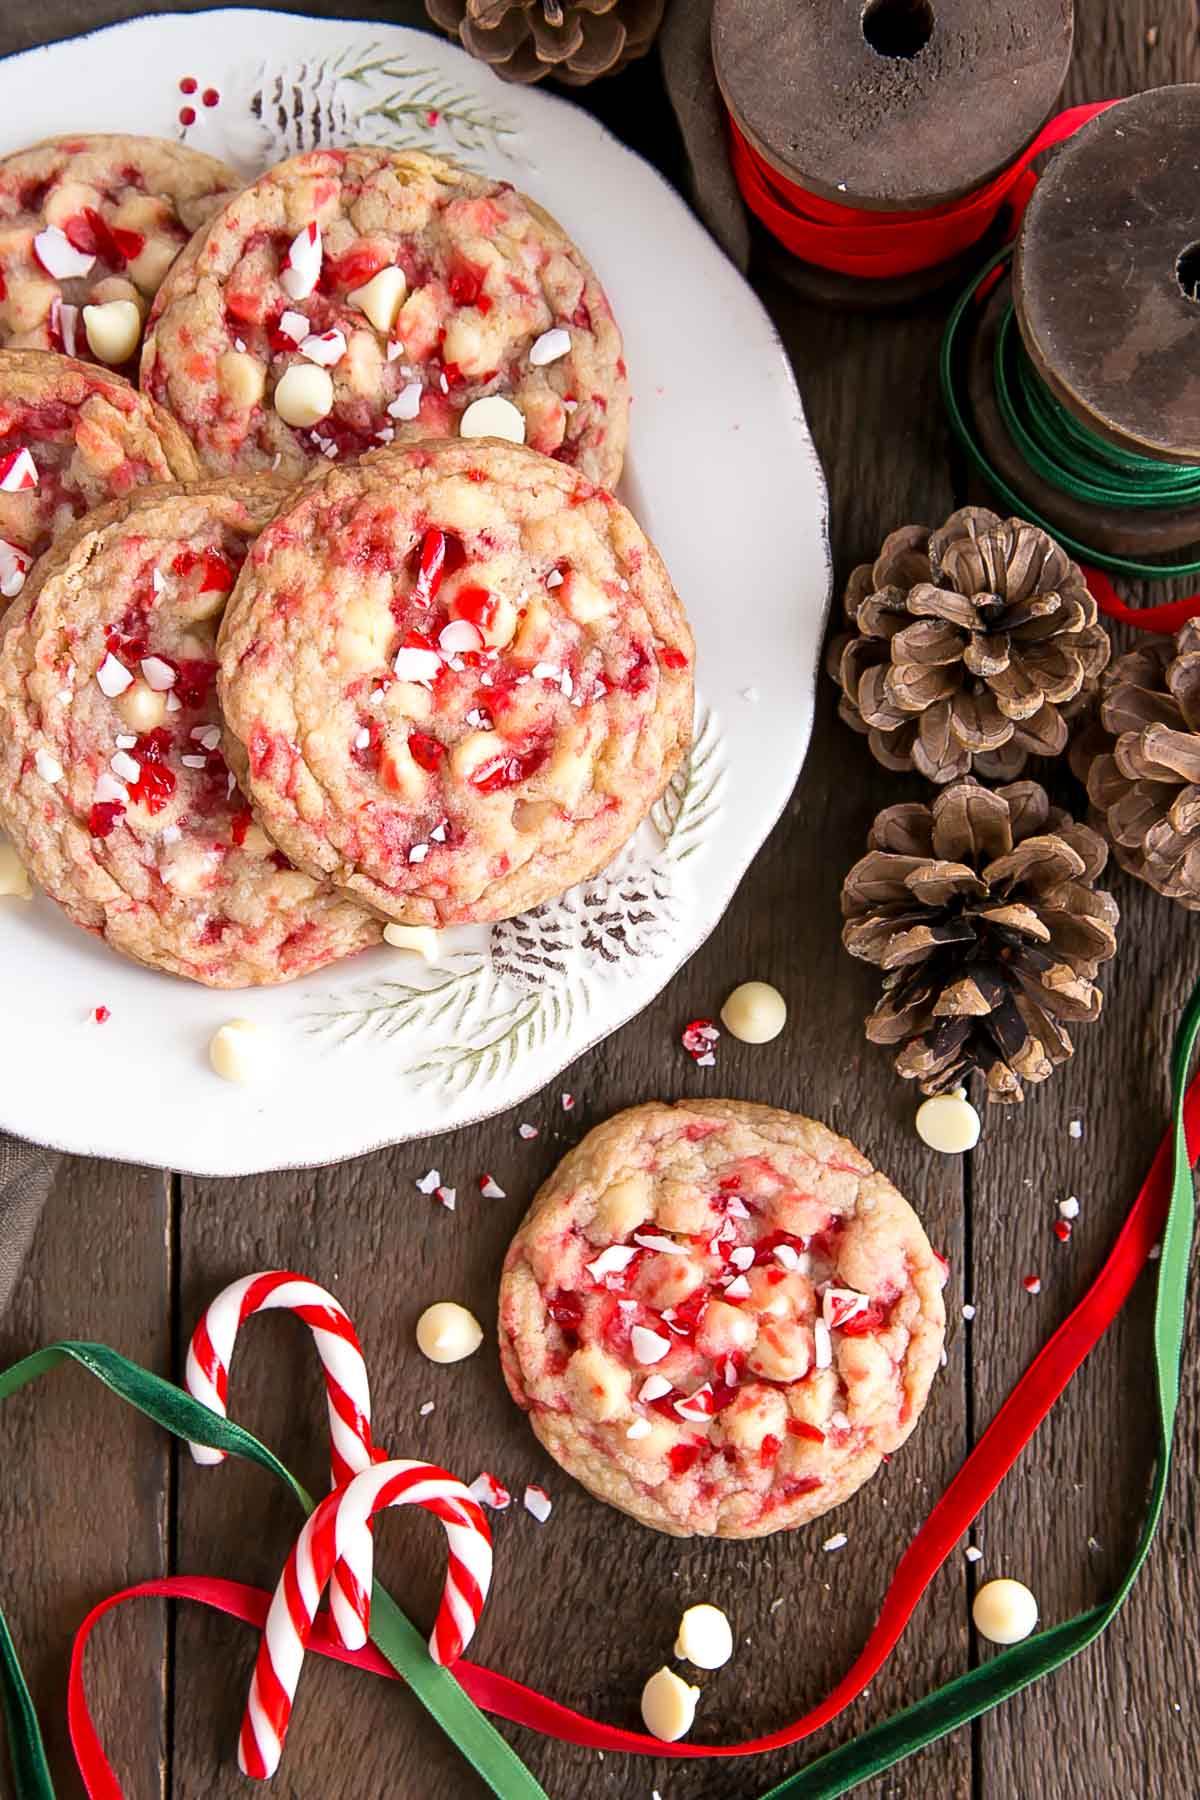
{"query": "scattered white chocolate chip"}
(237, 1051)
(113, 330)
(493, 416)
(668, 1705)
(538, 1503)
(112, 677)
(381, 298)
(304, 395)
(14, 877)
(755, 1012)
(705, 1637)
(241, 378)
(48, 766)
(422, 939)
(1004, 1611)
(949, 1123)
(447, 1332)
(549, 347)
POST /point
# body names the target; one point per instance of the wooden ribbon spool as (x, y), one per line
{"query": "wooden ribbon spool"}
(1106, 292)
(889, 106)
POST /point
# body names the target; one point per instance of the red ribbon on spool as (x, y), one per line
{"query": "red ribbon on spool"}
(876, 245)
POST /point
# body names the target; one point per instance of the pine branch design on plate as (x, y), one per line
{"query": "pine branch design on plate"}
(518, 1031)
(390, 1007)
(365, 96)
(693, 795)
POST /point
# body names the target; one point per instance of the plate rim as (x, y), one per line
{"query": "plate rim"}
(218, 1167)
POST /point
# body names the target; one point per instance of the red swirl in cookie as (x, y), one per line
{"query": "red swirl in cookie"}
(115, 789)
(72, 437)
(720, 1318)
(456, 678)
(96, 221)
(350, 298)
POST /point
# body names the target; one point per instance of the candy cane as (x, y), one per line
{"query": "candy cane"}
(346, 1387)
(339, 1525)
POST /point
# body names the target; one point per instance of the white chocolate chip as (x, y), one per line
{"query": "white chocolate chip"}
(238, 1051)
(381, 298)
(113, 330)
(447, 1332)
(668, 1705)
(755, 1012)
(141, 708)
(1004, 1611)
(241, 378)
(705, 1637)
(493, 416)
(549, 347)
(422, 939)
(304, 395)
(949, 1123)
(47, 765)
(14, 877)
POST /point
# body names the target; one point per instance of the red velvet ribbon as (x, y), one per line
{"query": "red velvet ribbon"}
(875, 245)
(996, 1452)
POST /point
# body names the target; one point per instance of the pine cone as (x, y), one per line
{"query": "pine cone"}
(574, 40)
(982, 911)
(969, 647)
(1141, 763)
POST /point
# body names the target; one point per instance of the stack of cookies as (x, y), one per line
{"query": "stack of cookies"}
(331, 619)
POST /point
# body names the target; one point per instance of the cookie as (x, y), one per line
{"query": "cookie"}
(720, 1318)
(112, 782)
(350, 298)
(457, 677)
(91, 220)
(72, 437)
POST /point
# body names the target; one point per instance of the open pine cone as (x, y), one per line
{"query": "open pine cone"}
(982, 912)
(968, 648)
(574, 40)
(1141, 763)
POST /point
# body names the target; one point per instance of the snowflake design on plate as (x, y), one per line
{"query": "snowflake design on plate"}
(482, 1011)
(363, 96)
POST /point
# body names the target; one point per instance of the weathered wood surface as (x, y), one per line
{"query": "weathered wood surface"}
(585, 1606)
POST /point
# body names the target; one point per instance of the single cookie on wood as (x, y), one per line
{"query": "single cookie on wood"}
(112, 782)
(456, 677)
(349, 298)
(720, 1318)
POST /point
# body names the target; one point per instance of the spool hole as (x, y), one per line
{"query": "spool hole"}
(1187, 273)
(897, 27)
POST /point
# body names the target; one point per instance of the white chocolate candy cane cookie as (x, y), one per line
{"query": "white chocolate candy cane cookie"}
(349, 298)
(720, 1318)
(113, 786)
(93, 223)
(456, 677)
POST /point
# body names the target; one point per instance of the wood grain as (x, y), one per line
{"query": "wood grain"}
(586, 1605)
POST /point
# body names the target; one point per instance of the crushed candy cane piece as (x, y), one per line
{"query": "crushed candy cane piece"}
(14, 567)
(737, 1289)
(429, 1184)
(610, 1261)
(568, 1102)
(822, 1345)
(1032, 1284)
(698, 1040)
(490, 1188)
(47, 766)
(158, 674)
(490, 1492)
(973, 1553)
(648, 1346)
(324, 348)
(407, 404)
(639, 1429)
(18, 472)
(538, 1502)
(654, 1240)
(1062, 1230)
(447, 1197)
(653, 1388)
(838, 1541)
(550, 346)
(528, 1132)
(1068, 1208)
(1075, 1128)
(58, 255)
(294, 325)
(839, 1305)
(968, 1312)
(301, 267)
(425, 1408)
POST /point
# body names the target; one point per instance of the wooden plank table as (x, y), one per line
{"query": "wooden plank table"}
(92, 1497)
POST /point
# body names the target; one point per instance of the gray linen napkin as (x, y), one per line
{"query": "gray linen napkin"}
(26, 1177)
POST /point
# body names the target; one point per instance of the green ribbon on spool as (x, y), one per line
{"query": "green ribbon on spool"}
(1059, 448)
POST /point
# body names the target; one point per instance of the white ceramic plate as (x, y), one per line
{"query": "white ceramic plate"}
(722, 474)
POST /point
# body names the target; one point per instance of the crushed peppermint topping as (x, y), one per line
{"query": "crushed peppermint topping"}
(490, 1492)
(447, 1197)
(407, 403)
(738, 1288)
(554, 578)
(324, 348)
(1032, 1284)
(550, 347)
(48, 766)
(415, 664)
(18, 472)
(653, 1388)
(838, 1541)
(742, 1257)
(425, 1408)
(527, 1131)
(124, 766)
(538, 1502)
(639, 1429)
(648, 1346)
(418, 853)
(112, 677)
(822, 1345)
(654, 1240)
(301, 267)
(973, 1553)
(490, 1188)
(610, 1261)
(294, 325)
(429, 1183)
(194, 762)
(1075, 1128)
(58, 255)
(108, 788)
(839, 1305)
(968, 1312)
(1068, 1208)
(697, 1407)
(698, 1039)
(158, 674)
(14, 566)
(568, 1102)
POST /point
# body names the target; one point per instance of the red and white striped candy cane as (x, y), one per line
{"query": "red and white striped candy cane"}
(346, 1387)
(341, 1522)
